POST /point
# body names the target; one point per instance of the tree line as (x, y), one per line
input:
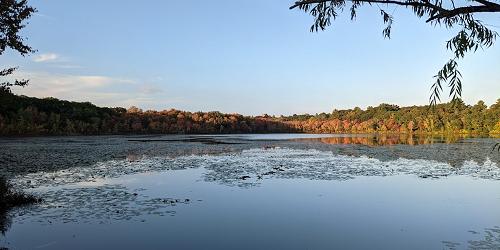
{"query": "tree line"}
(22, 115)
(454, 117)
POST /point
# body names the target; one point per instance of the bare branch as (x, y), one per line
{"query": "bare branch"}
(487, 3)
(464, 11)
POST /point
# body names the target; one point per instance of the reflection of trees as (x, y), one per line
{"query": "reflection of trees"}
(343, 163)
(387, 139)
(453, 150)
(20, 157)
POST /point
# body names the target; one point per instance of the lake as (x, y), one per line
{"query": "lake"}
(270, 191)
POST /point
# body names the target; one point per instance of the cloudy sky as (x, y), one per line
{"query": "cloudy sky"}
(249, 57)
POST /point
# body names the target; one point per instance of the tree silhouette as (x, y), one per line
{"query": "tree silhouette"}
(13, 15)
(473, 33)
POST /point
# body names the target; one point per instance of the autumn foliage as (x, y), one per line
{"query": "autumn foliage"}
(21, 115)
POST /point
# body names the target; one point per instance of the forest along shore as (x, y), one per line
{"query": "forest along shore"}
(26, 116)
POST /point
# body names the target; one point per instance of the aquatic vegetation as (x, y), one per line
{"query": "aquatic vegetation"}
(19, 157)
(167, 187)
(251, 166)
(97, 204)
(10, 198)
(490, 240)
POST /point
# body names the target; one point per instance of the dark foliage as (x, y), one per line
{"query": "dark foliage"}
(9, 199)
(21, 115)
(13, 16)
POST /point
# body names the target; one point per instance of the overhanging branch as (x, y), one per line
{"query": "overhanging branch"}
(464, 11)
(438, 11)
(402, 3)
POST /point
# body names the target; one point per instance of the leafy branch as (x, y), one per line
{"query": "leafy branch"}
(473, 33)
(13, 15)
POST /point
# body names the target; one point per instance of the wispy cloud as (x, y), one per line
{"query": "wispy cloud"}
(149, 89)
(42, 15)
(67, 66)
(100, 90)
(46, 57)
(55, 60)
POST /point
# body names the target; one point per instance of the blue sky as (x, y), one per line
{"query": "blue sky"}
(249, 57)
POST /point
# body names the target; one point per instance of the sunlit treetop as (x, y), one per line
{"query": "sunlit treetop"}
(472, 34)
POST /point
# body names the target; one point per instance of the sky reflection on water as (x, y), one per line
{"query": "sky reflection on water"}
(397, 212)
(267, 194)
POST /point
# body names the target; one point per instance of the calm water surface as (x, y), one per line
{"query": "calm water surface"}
(254, 192)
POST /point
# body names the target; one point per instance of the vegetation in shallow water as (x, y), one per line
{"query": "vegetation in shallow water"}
(9, 198)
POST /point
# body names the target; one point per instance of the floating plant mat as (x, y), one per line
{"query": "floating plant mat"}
(252, 166)
(179, 208)
(275, 194)
(97, 204)
(20, 157)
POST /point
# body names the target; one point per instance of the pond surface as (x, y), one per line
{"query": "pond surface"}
(280, 191)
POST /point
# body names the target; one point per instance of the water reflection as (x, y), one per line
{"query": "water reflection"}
(249, 167)
(386, 139)
(451, 150)
(32, 155)
(90, 203)
(5, 221)
(98, 204)
(490, 240)
(45, 162)
(406, 212)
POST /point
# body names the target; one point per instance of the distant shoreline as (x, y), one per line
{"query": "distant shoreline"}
(22, 116)
(388, 134)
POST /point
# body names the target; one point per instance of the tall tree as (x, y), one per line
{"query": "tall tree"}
(472, 34)
(13, 17)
